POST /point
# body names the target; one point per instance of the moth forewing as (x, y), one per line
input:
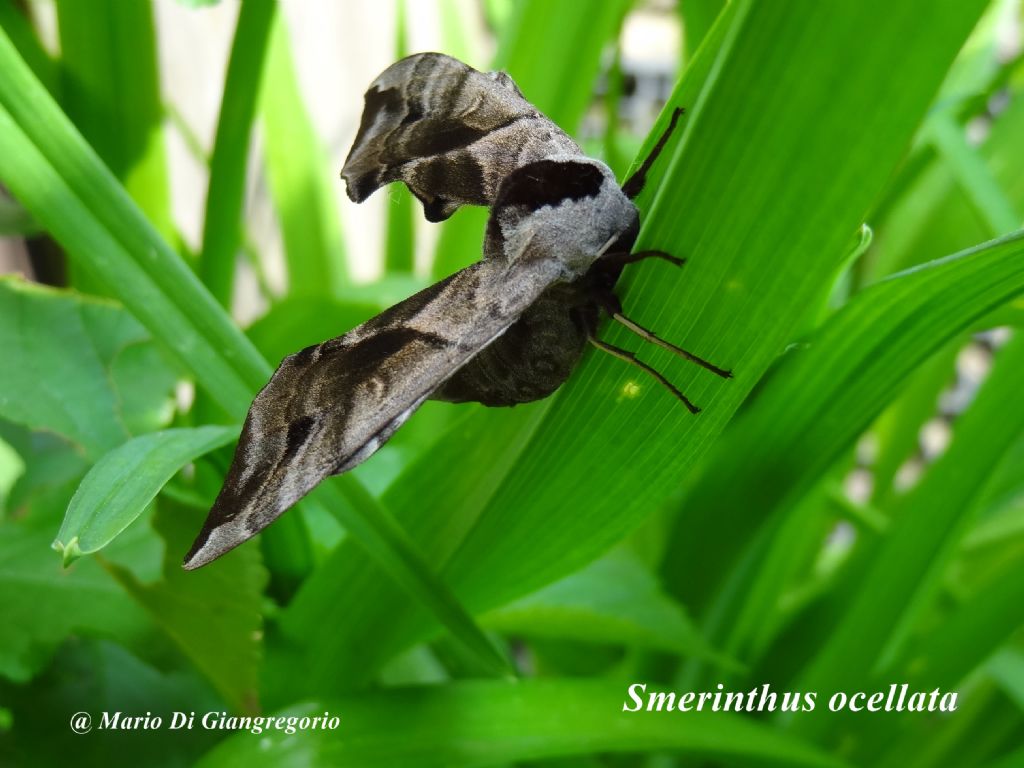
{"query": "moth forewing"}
(329, 407)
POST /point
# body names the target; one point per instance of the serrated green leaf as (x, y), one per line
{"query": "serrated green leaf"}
(43, 603)
(64, 350)
(213, 615)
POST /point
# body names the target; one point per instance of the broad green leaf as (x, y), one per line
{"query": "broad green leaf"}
(102, 676)
(492, 724)
(213, 615)
(122, 483)
(64, 349)
(724, 305)
(43, 603)
(145, 383)
(614, 600)
(49, 462)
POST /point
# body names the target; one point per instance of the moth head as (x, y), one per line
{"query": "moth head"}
(571, 209)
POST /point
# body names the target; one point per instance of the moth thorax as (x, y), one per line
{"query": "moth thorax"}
(566, 209)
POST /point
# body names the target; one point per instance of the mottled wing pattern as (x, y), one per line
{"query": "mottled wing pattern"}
(330, 406)
(449, 132)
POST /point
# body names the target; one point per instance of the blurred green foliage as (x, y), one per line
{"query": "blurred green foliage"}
(847, 188)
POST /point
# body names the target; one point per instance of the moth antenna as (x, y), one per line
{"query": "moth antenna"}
(629, 357)
(648, 335)
(634, 184)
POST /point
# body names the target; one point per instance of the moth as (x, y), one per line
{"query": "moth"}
(508, 329)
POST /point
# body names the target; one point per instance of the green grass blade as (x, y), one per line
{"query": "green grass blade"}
(972, 631)
(927, 525)
(111, 91)
(222, 228)
(487, 723)
(302, 183)
(122, 483)
(969, 169)
(399, 227)
(14, 21)
(698, 18)
(740, 296)
(814, 408)
(391, 547)
(532, 50)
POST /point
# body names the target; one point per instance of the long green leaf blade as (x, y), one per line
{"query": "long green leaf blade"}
(817, 405)
(927, 525)
(222, 229)
(485, 723)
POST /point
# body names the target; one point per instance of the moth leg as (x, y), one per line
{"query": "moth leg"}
(622, 258)
(610, 303)
(629, 357)
(648, 335)
(634, 184)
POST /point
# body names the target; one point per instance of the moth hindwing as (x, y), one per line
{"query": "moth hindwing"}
(508, 329)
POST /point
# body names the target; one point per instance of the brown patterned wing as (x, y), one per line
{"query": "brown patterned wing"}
(330, 406)
(449, 132)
